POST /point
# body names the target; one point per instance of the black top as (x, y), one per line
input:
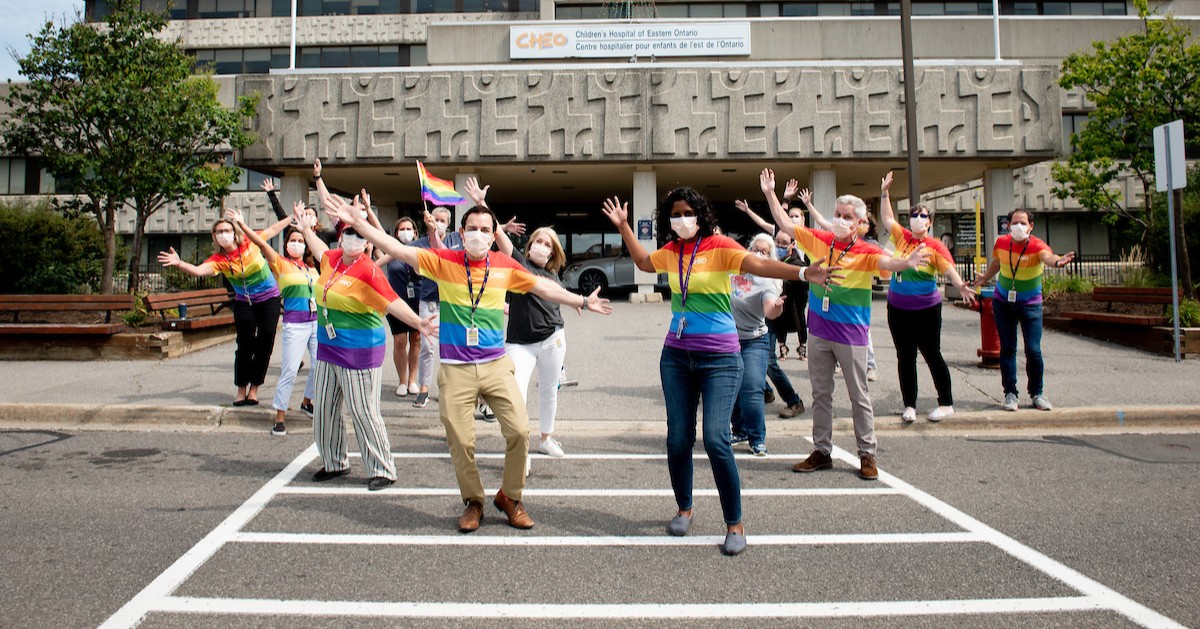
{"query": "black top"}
(405, 281)
(532, 319)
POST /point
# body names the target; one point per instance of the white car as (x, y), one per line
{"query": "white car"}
(603, 273)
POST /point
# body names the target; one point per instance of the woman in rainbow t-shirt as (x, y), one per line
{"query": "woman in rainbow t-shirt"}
(701, 358)
(1019, 258)
(915, 306)
(296, 274)
(255, 301)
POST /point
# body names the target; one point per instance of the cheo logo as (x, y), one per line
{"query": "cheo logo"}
(541, 40)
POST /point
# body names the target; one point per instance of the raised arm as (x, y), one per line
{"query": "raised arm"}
(260, 242)
(618, 214)
(758, 220)
(322, 191)
(887, 217)
(170, 258)
(478, 196)
(551, 291)
(307, 226)
(818, 218)
(337, 209)
(766, 181)
(816, 273)
(268, 186)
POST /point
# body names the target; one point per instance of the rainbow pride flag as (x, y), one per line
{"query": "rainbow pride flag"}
(437, 191)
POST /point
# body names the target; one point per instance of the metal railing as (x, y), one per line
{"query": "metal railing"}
(1103, 270)
(156, 279)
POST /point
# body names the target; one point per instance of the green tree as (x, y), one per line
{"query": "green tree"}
(46, 252)
(1136, 83)
(119, 116)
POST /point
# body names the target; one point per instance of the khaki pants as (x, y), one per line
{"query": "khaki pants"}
(822, 356)
(459, 386)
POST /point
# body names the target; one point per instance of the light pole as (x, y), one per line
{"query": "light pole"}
(910, 103)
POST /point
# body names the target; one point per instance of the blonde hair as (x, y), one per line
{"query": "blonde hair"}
(558, 257)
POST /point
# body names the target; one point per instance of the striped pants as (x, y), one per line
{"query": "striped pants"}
(360, 389)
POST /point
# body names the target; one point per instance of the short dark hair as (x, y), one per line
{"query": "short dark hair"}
(1020, 211)
(479, 209)
(706, 220)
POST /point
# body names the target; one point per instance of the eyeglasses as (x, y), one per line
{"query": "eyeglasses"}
(919, 215)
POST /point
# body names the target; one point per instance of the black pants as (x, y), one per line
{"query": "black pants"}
(256, 325)
(920, 330)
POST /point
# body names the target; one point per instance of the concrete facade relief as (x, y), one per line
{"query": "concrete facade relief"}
(660, 114)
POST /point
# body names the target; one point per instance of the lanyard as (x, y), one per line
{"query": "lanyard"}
(844, 251)
(1013, 264)
(685, 280)
(487, 270)
(337, 272)
(307, 270)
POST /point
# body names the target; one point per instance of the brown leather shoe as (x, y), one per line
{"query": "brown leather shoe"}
(517, 518)
(816, 461)
(867, 468)
(469, 521)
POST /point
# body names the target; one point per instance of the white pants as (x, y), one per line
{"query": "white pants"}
(429, 347)
(548, 357)
(359, 389)
(297, 337)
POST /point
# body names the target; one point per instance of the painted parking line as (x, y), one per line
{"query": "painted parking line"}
(310, 490)
(158, 596)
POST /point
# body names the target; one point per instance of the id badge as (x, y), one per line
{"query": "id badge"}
(682, 325)
(472, 336)
(899, 278)
(312, 305)
(329, 331)
(825, 304)
(558, 342)
(411, 293)
(1012, 296)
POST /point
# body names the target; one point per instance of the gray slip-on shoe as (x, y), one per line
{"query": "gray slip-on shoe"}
(735, 544)
(679, 525)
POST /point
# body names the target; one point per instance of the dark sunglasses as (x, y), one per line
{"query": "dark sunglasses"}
(919, 215)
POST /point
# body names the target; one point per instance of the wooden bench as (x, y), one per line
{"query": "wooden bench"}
(1121, 294)
(16, 304)
(214, 299)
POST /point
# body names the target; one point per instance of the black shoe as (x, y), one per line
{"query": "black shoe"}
(324, 474)
(307, 408)
(768, 396)
(379, 482)
(279, 429)
(422, 399)
(738, 437)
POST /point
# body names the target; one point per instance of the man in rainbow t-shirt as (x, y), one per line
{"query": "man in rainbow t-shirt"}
(472, 284)
(1019, 258)
(839, 321)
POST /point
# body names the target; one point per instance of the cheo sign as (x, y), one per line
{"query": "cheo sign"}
(651, 39)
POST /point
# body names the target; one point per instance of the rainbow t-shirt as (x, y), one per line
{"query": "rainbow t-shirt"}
(709, 314)
(447, 269)
(1026, 259)
(296, 282)
(351, 298)
(916, 289)
(848, 319)
(247, 271)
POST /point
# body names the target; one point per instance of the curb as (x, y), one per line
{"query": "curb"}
(213, 418)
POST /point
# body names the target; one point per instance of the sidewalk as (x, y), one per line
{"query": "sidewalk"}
(1092, 384)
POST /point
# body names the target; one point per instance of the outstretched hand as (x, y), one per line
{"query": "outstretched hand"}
(337, 209)
(234, 215)
(268, 185)
(818, 273)
(790, 188)
(478, 195)
(616, 211)
(742, 205)
(968, 295)
(430, 326)
(886, 183)
(168, 257)
(919, 257)
(596, 303)
(766, 181)
(513, 227)
(317, 168)
(806, 196)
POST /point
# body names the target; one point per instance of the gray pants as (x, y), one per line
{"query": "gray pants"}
(822, 356)
(429, 347)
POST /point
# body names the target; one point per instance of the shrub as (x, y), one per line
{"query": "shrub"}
(1136, 271)
(137, 317)
(48, 252)
(1054, 285)
(1189, 313)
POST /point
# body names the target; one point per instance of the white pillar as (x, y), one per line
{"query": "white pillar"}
(999, 199)
(292, 188)
(824, 190)
(546, 9)
(645, 198)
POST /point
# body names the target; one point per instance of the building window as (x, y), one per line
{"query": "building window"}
(241, 61)
(361, 56)
(1072, 124)
(12, 176)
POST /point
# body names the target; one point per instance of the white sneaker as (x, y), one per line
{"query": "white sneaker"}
(1042, 404)
(872, 375)
(909, 415)
(401, 391)
(550, 447)
(1010, 402)
(940, 413)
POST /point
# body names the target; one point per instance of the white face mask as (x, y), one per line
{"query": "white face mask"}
(295, 248)
(441, 228)
(841, 227)
(353, 246)
(405, 235)
(225, 239)
(477, 243)
(363, 213)
(539, 253)
(684, 226)
(917, 225)
(1019, 231)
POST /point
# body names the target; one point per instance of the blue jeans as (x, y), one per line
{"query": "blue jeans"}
(749, 408)
(783, 385)
(688, 378)
(1029, 317)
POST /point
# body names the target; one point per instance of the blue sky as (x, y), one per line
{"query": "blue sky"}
(23, 17)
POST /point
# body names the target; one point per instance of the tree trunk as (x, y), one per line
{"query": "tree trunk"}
(105, 216)
(1184, 261)
(135, 256)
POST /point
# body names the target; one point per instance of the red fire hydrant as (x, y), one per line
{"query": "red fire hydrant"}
(989, 352)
